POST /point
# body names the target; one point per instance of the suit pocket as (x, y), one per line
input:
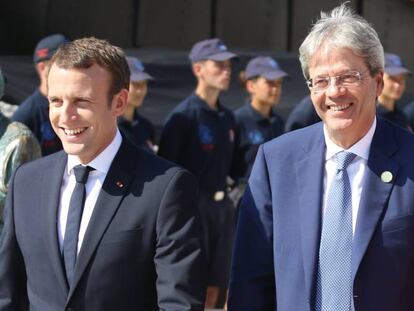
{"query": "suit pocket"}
(127, 236)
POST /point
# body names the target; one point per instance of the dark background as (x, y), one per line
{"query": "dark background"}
(161, 32)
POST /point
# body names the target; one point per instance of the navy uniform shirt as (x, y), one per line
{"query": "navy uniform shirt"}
(140, 131)
(201, 140)
(34, 113)
(409, 113)
(253, 129)
(304, 114)
(395, 116)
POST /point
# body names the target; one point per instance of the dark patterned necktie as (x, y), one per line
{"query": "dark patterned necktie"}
(334, 286)
(77, 201)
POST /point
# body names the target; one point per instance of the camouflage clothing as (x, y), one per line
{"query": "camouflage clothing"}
(17, 145)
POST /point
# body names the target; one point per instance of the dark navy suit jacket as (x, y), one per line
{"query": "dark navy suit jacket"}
(141, 250)
(276, 249)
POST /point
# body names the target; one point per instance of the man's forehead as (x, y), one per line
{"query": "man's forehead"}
(336, 60)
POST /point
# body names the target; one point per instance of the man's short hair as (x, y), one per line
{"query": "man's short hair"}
(84, 53)
(342, 28)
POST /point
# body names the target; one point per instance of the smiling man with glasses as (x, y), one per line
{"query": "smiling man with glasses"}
(326, 222)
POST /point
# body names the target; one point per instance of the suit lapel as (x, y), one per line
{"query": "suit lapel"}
(113, 190)
(375, 191)
(309, 175)
(52, 180)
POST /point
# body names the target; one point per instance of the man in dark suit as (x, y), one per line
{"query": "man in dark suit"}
(327, 220)
(136, 244)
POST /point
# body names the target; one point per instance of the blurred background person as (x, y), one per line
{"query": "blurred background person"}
(395, 76)
(34, 111)
(256, 121)
(199, 135)
(302, 115)
(132, 124)
(17, 145)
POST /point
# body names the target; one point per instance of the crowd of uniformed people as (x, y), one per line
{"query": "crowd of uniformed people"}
(200, 134)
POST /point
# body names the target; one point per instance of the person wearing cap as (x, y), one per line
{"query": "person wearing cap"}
(256, 121)
(395, 76)
(34, 110)
(199, 135)
(17, 146)
(132, 124)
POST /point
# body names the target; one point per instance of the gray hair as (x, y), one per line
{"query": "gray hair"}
(342, 28)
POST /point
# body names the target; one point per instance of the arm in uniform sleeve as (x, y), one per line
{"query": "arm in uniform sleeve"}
(252, 280)
(18, 145)
(179, 257)
(174, 137)
(24, 114)
(13, 294)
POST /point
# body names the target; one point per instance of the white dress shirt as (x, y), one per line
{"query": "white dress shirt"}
(355, 170)
(93, 187)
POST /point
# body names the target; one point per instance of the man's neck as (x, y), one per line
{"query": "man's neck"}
(263, 109)
(387, 103)
(209, 95)
(43, 88)
(129, 113)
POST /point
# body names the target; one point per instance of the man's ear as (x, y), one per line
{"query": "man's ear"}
(380, 82)
(119, 102)
(250, 86)
(197, 68)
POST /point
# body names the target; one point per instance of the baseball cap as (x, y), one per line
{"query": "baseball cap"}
(394, 65)
(212, 49)
(137, 70)
(46, 47)
(264, 66)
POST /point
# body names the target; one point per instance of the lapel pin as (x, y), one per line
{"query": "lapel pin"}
(386, 176)
(119, 184)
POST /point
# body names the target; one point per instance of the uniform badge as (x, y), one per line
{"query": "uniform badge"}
(256, 137)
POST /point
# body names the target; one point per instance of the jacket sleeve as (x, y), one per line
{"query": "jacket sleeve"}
(13, 293)
(179, 256)
(252, 280)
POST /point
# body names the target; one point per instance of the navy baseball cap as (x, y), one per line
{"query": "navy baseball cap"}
(264, 66)
(48, 46)
(137, 69)
(210, 49)
(394, 65)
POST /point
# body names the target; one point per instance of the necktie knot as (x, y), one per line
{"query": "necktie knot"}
(343, 159)
(81, 173)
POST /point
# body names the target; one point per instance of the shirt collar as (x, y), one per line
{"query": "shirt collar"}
(360, 148)
(102, 161)
(204, 105)
(257, 116)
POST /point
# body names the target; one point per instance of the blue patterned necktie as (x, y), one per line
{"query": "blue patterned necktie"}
(334, 285)
(77, 200)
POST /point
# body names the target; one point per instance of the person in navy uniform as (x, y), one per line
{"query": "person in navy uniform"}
(199, 135)
(34, 110)
(395, 76)
(304, 114)
(132, 124)
(256, 121)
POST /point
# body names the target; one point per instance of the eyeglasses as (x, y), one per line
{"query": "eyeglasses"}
(347, 79)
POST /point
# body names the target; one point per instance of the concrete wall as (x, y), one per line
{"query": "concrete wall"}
(273, 25)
